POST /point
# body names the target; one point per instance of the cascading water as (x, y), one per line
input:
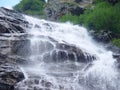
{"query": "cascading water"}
(64, 57)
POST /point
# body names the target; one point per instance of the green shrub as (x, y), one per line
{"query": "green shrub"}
(116, 42)
(104, 16)
(33, 7)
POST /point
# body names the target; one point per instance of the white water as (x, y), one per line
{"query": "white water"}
(102, 75)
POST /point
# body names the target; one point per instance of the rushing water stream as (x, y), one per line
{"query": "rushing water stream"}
(53, 68)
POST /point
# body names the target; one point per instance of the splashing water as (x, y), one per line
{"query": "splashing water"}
(52, 68)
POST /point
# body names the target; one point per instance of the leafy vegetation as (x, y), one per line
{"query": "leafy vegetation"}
(103, 17)
(116, 42)
(32, 7)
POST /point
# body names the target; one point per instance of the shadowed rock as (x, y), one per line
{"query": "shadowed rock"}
(12, 21)
(64, 52)
(9, 76)
(61, 7)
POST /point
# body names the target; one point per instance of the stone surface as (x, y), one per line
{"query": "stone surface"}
(20, 47)
(63, 52)
(9, 76)
(11, 21)
(12, 30)
(102, 36)
(61, 7)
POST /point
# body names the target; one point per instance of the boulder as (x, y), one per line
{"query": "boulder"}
(9, 76)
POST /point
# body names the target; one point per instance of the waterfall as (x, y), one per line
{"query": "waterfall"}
(65, 57)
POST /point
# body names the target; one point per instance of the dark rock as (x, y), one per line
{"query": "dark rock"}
(64, 52)
(102, 36)
(71, 56)
(18, 59)
(62, 56)
(78, 1)
(11, 21)
(77, 11)
(36, 81)
(59, 8)
(76, 54)
(54, 56)
(6, 87)
(46, 83)
(116, 55)
(9, 76)
(113, 1)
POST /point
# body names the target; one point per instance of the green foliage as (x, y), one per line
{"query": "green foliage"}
(72, 18)
(116, 42)
(33, 7)
(104, 16)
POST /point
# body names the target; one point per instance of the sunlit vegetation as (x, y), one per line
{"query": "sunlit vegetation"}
(103, 16)
(116, 42)
(32, 7)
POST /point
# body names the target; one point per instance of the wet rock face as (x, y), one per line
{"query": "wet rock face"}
(9, 76)
(52, 51)
(117, 57)
(34, 84)
(11, 21)
(72, 52)
(103, 36)
(77, 11)
(20, 47)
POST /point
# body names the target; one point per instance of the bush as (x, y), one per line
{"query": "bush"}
(104, 16)
(33, 7)
(116, 42)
